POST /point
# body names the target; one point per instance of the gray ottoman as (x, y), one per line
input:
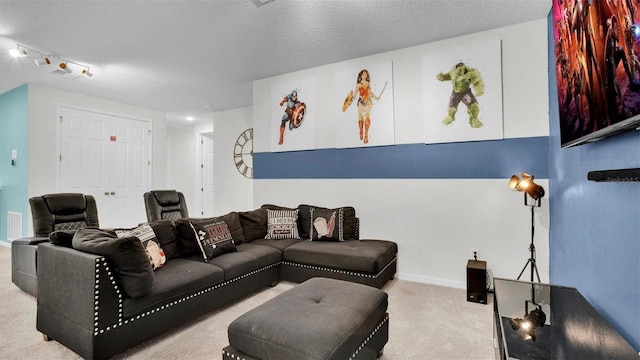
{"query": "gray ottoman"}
(318, 319)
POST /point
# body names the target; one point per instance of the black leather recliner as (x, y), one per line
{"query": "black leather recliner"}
(165, 204)
(49, 213)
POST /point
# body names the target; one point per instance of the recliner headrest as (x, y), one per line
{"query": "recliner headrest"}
(66, 204)
(166, 197)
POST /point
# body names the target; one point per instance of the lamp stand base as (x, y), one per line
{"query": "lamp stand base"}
(534, 267)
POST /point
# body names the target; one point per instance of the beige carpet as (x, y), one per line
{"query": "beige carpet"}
(426, 322)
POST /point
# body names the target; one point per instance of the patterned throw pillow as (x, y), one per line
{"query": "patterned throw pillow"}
(149, 241)
(282, 224)
(213, 238)
(326, 224)
(342, 221)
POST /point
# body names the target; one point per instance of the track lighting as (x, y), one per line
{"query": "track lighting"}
(86, 73)
(42, 61)
(17, 52)
(64, 68)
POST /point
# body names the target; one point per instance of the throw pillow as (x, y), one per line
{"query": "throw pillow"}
(325, 226)
(209, 237)
(213, 238)
(149, 241)
(282, 224)
(233, 222)
(166, 235)
(344, 223)
(276, 207)
(130, 260)
(254, 224)
(62, 237)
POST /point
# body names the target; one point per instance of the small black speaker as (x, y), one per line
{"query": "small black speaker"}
(477, 281)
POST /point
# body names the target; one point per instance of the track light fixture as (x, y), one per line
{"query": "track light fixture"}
(18, 52)
(63, 67)
(43, 61)
(86, 73)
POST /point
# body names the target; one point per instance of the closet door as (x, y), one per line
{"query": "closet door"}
(108, 157)
(84, 155)
(129, 171)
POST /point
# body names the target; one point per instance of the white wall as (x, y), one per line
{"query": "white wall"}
(434, 222)
(43, 135)
(181, 164)
(232, 191)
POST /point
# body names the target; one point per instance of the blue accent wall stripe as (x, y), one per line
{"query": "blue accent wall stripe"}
(469, 160)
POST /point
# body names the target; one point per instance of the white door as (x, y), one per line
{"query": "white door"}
(84, 162)
(129, 171)
(206, 187)
(108, 157)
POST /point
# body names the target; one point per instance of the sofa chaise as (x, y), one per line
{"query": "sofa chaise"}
(104, 291)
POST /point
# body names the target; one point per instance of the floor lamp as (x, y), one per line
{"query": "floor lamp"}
(525, 184)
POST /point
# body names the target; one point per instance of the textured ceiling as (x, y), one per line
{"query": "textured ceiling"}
(191, 58)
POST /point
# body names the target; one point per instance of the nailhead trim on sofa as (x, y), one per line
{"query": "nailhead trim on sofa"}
(338, 271)
(102, 261)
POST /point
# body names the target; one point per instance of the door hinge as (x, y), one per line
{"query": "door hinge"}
(60, 157)
(60, 119)
(149, 162)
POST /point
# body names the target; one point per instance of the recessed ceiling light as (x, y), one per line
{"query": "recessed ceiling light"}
(190, 118)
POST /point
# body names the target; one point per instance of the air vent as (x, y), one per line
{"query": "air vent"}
(14, 225)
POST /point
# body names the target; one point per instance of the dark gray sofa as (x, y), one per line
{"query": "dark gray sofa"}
(82, 303)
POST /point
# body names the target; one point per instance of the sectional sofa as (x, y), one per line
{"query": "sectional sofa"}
(104, 291)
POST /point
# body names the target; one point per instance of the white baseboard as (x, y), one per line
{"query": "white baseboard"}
(431, 280)
(5, 243)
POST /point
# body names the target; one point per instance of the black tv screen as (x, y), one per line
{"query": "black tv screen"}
(597, 68)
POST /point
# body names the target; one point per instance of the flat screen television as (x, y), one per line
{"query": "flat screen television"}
(597, 68)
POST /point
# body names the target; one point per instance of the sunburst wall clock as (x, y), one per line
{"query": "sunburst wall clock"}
(243, 153)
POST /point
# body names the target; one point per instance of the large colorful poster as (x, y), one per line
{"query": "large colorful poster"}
(597, 68)
(364, 105)
(463, 93)
(292, 120)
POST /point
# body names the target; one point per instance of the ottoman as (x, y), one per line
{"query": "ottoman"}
(319, 319)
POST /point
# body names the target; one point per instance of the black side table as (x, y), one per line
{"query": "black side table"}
(541, 321)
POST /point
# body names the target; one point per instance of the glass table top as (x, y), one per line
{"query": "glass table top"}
(542, 321)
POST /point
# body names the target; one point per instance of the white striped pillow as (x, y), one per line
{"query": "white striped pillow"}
(282, 224)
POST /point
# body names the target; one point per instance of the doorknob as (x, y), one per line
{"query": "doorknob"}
(113, 193)
(106, 193)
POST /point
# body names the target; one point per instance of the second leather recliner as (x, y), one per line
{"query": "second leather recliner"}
(165, 204)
